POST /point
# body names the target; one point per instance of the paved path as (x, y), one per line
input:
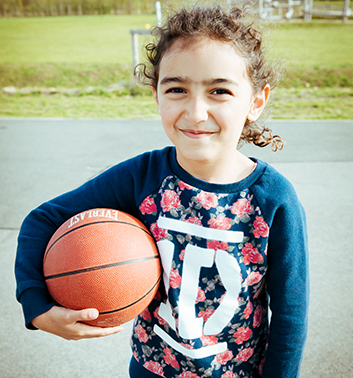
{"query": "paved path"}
(40, 159)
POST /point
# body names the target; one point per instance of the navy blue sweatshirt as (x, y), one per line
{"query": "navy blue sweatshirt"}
(229, 254)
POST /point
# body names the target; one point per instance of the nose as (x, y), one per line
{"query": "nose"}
(197, 110)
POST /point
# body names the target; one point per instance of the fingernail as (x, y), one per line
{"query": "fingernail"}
(93, 314)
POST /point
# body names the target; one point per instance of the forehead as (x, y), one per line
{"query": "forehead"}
(203, 58)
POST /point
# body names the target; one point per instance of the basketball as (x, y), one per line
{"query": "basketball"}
(103, 259)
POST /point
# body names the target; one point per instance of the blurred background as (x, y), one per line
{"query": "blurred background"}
(74, 58)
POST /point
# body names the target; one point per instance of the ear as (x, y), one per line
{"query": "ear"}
(259, 103)
(155, 95)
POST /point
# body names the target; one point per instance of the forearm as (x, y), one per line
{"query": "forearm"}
(288, 289)
(35, 233)
(285, 348)
(68, 324)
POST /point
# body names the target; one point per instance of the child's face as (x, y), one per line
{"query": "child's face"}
(204, 97)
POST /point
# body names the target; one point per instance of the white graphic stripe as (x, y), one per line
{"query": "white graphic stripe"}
(229, 271)
(190, 326)
(203, 352)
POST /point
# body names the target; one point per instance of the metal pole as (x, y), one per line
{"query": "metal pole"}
(346, 11)
(158, 13)
(135, 48)
(261, 8)
(307, 10)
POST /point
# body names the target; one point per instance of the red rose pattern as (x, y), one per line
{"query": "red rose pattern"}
(208, 200)
(229, 374)
(141, 334)
(209, 340)
(258, 315)
(146, 315)
(161, 321)
(194, 220)
(248, 310)
(169, 358)
(221, 223)
(224, 357)
(148, 206)
(245, 354)
(206, 314)
(251, 254)
(260, 228)
(170, 200)
(241, 207)
(158, 233)
(201, 297)
(215, 244)
(174, 279)
(253, 278)
(183, 185)
(154, 367)
(242, 334)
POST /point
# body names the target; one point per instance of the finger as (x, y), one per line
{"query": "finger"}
(88, 331)
(85, 315)
(85, 331)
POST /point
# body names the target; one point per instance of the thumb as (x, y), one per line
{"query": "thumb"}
(87, 314)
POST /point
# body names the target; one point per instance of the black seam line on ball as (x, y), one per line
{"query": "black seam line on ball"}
(99, 267)
(89, 224)
(131, 304)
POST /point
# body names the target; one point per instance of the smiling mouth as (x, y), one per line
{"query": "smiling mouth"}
(196, 134)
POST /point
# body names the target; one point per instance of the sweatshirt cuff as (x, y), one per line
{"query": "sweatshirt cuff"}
(35, 302)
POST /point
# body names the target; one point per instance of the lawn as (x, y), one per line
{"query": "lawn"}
(71, 53)
(69, 39)
(317, 44)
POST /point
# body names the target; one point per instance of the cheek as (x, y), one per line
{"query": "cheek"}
(231, 120)
(226, 116)
(168, 120)
(168, 112)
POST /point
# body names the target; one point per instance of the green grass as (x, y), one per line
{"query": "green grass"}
(69, 39)
(95, 51)
(315, 44)
(312, 103)
(137, 107)
(67, 75)
(106, 40)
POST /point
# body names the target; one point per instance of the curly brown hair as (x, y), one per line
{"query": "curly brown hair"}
(231, 25)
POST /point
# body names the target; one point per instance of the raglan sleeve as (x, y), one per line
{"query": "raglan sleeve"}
(111, 189)
(287, 286)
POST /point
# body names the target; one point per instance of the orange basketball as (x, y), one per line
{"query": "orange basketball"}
(103, 259)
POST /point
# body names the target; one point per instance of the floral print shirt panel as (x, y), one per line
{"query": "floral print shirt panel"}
(210, 318)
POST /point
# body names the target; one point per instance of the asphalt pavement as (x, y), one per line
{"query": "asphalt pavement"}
(42, 158)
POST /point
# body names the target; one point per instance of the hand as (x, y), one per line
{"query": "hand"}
(65, 323)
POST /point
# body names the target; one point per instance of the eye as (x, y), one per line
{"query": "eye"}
(175, 90)
(221, 91)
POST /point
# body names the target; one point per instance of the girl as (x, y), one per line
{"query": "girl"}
(230, 230)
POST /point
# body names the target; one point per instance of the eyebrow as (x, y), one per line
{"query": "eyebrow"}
(186, 80)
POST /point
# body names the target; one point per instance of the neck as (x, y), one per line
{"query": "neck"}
(220, 171)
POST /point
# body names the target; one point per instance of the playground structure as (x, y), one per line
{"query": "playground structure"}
(288, 9)
(326, 10)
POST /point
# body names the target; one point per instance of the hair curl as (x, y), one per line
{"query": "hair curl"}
(231, 25)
